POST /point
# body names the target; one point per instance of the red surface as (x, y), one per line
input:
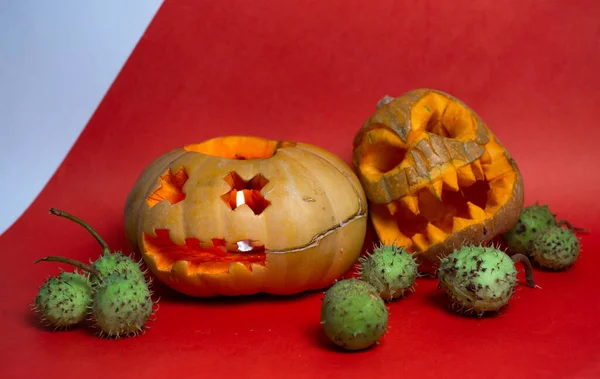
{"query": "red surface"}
(312, 71)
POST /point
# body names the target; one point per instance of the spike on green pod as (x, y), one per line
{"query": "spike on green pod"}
(555, 248)
(390, 269)
(63, 300)
(533, 219)
(122, 305)
(353, 315)
(480, 279)
(117, 262)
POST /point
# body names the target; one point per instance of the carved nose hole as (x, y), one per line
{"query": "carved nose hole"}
(246, 192)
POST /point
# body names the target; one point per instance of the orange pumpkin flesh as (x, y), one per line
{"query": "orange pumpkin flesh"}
(214, 259)
(435, 175)
(241, 215)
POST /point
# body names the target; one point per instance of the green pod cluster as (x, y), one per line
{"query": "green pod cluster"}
(532, 221)
(538, 235)
(113, 292)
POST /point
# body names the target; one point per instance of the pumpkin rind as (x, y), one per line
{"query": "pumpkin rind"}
(427, 140)
(312, 229)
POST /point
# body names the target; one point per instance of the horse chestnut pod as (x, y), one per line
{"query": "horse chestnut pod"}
(239, 215)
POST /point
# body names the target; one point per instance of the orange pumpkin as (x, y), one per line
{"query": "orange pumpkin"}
(240, 215)
(436, 177)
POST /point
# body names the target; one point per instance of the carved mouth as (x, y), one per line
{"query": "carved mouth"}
(213, 257)
(459, 198)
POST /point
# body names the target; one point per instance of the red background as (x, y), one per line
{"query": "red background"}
(313, 71)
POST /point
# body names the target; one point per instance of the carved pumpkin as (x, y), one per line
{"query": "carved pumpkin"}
(240, 215)
(435, 175)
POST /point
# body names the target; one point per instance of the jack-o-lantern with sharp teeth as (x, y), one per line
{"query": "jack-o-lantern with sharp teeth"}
(239, 215)
(435, 176)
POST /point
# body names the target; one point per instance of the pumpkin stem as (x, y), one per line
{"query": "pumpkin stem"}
(385, 100)
(570, 226)
(71, 262)
(528, 269)
(57, 212)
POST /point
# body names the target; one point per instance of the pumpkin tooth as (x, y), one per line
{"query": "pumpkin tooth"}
(496, 196)
(465, 176)
(435, 234)
(476, 212)
(392, 207)
(477, 170)
(450, 179)
(459, 223)
(435, 188)
(486, 158)
(179, 267)
(420, 241)
(492, 171)
(412, 203)
(387, 228)
(503, 181)
(404, 241)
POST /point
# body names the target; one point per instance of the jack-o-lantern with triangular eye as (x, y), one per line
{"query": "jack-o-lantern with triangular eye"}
(435, 175)
(239, 215)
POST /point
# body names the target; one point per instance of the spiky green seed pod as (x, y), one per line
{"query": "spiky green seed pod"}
(478, 279)
(353, 315)
(533, 220)
(390, 269)
(116, 262)
(122, 305)
(555, 248)
(63, 300)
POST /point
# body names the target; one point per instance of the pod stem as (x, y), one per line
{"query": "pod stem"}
(528, 269)
(57, 212)
(570, 226)
(71, 262)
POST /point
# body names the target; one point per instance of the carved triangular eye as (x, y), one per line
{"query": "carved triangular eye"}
(170, 189)
(246, 192)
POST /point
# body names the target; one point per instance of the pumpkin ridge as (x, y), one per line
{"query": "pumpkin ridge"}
(360, 213)
(359, 198)
(195, 171)
(395, 125)
(150, 183)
